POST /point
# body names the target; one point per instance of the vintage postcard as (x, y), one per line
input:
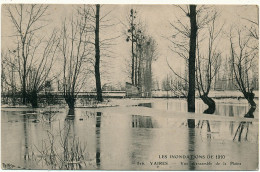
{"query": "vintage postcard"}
(129, 87)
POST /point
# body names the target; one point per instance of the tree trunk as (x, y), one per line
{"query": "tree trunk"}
(71, 112)
(192, 56)
(24, 90)
(133, 57)
(33, 97)
(136, 70)
(70, 100)
(250, 113)
(149, 77)
(210, 102)
(97, 57)
(250, 98)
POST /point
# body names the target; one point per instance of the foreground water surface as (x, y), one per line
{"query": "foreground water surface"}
(52, 138)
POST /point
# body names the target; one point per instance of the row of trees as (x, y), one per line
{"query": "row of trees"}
(143, 53)
(76, 47)
(203, 66)
(30, 65)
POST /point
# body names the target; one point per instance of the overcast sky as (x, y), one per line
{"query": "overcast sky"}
(157, 19)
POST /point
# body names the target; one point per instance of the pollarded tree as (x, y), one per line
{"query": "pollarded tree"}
(243, 58)
(208, 64)
(74, 49)
(27, 22)
(39, 72)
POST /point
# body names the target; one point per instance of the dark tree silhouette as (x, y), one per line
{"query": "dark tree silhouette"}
(97, 56)
(192, 57)
(185, 42)
(132, 37)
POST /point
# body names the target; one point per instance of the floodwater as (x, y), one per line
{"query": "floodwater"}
(112, 140)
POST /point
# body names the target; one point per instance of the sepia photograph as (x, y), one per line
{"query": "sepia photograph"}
(129, 87)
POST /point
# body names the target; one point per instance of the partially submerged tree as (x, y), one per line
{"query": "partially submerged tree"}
(34, 56)
(74, 49)
(100, 43)
(27, 21)
(186, 48)
(97, 55)
(39, 73)
(243, 58)
(208, 64)
(192, 57)
(185, 42)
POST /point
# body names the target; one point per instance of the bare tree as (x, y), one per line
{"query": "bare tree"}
(208, 65)
(242, 60)
(74, 49)
(39, 72)
(187, 50)
(183, 43)
(27, 20)
(192, 57)
(8, 76)
(143, 53)
(131, 37)
(148, 54)
(97, 26)
(176, 85)
(97, 55)
(135, 34)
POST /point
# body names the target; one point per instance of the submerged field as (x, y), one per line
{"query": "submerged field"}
(137, 134)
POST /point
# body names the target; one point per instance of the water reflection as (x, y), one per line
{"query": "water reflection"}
(200, 125)
(240, 130)
(70, 115)
(71, 112)
(139, 121)
(191, 123)
(191, 147)
(26, 152)
(62, 149)
(95, 140)
(244, 124)
(98, 135)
